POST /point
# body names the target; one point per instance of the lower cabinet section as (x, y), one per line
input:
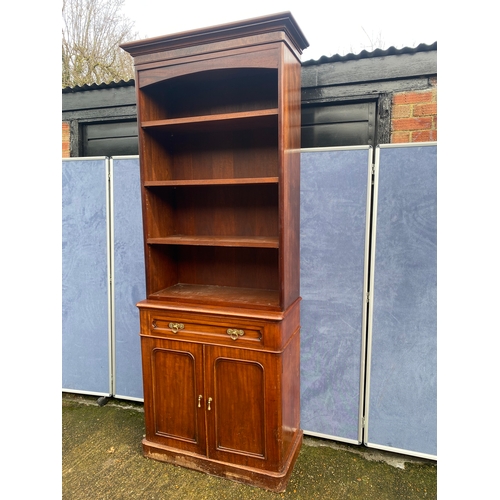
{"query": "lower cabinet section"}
(229, 411)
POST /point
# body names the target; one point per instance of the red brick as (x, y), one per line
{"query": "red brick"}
(400, 137)
(65, 140)
(425, 109)
(401, 111)
(424, 123)
(413, 97)
(424, 136)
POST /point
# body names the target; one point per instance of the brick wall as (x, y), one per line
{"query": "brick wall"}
(414, 115)
(65, 140)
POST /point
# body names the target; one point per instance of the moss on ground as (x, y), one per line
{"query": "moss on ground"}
(102, 460)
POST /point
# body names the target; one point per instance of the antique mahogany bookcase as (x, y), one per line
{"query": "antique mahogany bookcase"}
(219, 137)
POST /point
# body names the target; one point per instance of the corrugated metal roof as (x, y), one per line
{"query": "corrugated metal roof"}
(391, 51)
(99, 86)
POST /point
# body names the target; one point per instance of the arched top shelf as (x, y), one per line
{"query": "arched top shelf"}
(213, 91)
(259, 59)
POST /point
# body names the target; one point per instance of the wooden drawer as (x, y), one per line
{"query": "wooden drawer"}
(226, 331)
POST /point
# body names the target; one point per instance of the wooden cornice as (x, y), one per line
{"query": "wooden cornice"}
(256, 26)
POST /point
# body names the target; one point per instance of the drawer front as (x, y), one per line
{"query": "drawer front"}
(227, 331)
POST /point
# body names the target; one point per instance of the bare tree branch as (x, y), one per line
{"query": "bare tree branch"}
(92, 31)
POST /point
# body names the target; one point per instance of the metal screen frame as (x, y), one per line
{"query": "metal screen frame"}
(373, 307)
(106, 256)
(126, 390)
(363, 262)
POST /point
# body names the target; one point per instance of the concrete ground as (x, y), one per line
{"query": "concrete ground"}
(102, 460)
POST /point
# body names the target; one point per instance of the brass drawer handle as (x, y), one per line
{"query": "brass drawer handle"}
(175, 327)
(234, 333)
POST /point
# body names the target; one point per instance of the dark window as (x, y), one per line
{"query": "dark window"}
(110, 139)
(338, 125)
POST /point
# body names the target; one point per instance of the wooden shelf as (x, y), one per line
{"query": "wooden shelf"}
(211, 294)
(213, 182)
(243, 119)
(217, 241)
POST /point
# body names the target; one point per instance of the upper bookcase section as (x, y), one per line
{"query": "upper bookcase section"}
(252, 32)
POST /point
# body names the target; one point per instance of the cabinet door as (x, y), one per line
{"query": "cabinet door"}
(173, 394)
(238, 383)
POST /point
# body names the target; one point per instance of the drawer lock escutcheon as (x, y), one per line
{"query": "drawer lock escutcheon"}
(175, 327)
(234, 333)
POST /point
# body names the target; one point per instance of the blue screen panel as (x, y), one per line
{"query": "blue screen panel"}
(128, 272)
(402, 402)
(333, 227)
(85, 299)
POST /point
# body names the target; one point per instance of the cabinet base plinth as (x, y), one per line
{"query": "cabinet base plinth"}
(261, 478)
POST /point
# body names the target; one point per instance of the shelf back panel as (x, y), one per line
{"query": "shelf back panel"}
(210, 93)
(169, 265)
(236, 153)
(232, 210)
